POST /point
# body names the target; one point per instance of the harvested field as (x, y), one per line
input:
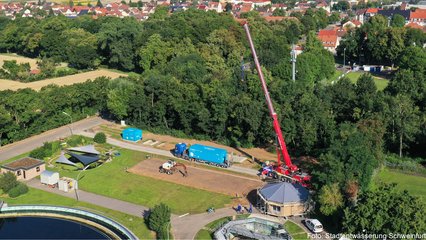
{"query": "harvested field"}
(19, 59)
(60, 81)
(200, 178)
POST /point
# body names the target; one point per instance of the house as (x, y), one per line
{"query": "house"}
(352, 24)
(25, 168)
(418, 16)
(390, 12)
(329, 39)
(215, 6)
(416, 26)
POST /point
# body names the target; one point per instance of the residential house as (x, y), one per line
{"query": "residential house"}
(418, 16)
(352, 24)
(329, 39)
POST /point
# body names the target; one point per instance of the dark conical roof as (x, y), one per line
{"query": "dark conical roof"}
(284, 192)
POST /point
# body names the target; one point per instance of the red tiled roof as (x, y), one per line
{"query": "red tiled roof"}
(372, 10)
(418, 14)
(416, 26)
(325, 32)
(356, 22)
(328, 40)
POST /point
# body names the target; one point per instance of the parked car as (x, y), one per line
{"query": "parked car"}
(314, 225)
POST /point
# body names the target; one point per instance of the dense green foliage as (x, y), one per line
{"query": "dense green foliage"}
(26, 112)
(386, 210)
(47, 150)
(100, 137)
(159, 220)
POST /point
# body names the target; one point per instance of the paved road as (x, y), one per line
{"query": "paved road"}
(26, 145)
(156, 151)
(106, 202)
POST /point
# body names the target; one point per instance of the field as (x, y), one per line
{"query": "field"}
(112, 180)
(60, 81)
(19, 59)
(413, 184)
(381, 83)
(35, 196)
(200, 178)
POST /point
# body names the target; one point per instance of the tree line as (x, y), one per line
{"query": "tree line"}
(197, 79)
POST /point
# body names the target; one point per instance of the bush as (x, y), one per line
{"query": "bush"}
(18, 190)
(38, 153)
(8, 181)
(100, 137)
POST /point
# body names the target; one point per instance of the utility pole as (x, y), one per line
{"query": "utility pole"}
(293, 61)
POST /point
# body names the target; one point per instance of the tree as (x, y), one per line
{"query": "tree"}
(119, 96)
(279, 12)
(8, 181)
(397, 20)
(81, 48)
(155, 52)
(405, 121)
(228, 7)
(5, 121)
(100, 137)
(341, 6)
(385, 210)
(330, 199)
(99, 4)
(159, 220)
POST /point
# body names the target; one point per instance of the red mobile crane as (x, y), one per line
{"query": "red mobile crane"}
(289, 171)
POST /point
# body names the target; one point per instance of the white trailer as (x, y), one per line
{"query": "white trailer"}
(49, 178)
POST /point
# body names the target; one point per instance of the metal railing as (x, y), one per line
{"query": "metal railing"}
(114, 226)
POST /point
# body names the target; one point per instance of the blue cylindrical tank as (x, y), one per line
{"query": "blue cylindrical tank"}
(208, 154)
(180, 149)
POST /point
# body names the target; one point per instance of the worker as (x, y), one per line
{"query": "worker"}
(250, 210)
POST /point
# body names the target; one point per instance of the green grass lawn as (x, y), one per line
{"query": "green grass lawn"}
(111, 179)
(35, 196)
(296, 232)
(381, 83)
(413, 184)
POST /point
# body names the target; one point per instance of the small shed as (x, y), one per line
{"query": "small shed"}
(49, 177)
(283, 199)
(131, 134)
(25, 168)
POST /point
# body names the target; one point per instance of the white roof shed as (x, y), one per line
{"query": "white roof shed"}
(49, 177)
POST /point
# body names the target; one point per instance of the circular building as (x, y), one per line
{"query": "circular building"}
(282, 199)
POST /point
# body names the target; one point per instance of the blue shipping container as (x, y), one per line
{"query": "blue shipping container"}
(208, 154)
(131, 134)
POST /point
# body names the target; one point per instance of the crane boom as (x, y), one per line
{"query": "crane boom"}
(277, 128)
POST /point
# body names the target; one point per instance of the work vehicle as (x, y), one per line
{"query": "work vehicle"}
(172, 166)
(201, 153)
(314, 225)
(287, 171)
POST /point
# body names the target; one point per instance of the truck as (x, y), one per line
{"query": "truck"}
(201, 153)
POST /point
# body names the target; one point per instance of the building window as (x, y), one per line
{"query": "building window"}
(18, 173)
(276, 208)
(38, 169)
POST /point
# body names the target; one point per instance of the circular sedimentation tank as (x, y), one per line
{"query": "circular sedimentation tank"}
(53, 222)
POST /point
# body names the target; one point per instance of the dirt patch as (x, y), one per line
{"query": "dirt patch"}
(19, 59)
(210, 180)
(60, 81)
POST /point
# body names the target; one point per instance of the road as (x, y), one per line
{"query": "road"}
(28, 144)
